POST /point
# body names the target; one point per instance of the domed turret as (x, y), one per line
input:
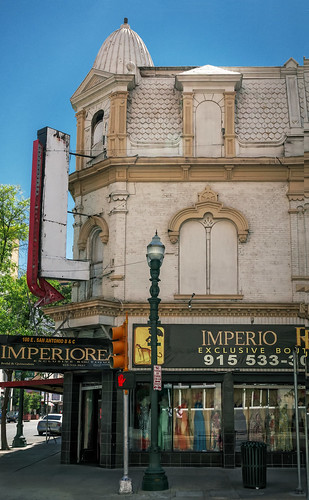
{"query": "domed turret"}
(122, 52)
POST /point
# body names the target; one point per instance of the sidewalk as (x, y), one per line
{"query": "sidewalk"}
(35, 473)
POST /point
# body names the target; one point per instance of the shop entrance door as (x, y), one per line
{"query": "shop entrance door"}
(90, 425)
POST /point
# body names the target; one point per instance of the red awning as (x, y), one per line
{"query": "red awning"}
(54, 385)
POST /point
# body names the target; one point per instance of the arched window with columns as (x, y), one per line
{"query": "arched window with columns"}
(208, 235)
(97, 133)
(93, 239)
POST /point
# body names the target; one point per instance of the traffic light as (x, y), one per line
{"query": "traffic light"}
(125, 380)
(119, 348)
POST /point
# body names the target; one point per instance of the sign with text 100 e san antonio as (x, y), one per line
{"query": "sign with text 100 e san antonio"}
(52, 353)
(233, 347)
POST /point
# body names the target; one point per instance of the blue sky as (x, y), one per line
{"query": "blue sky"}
(48, 47)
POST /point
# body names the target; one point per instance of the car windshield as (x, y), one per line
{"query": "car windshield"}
(53, 417)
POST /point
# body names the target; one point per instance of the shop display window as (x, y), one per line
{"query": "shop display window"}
(267, 414)
(189, 418)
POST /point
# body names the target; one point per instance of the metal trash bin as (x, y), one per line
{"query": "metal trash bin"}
(253, 460)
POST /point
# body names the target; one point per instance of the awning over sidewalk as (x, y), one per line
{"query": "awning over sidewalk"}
(54, 385)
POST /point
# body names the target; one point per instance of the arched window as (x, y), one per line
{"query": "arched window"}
(96, 264)
(208, 129)
(208, 235)
(208, 257)
(97, 133)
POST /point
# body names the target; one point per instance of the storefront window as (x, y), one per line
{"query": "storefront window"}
(268, 415)
(189, 418)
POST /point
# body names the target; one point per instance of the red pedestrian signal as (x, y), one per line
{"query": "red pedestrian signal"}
(119, 348)
(125, 380)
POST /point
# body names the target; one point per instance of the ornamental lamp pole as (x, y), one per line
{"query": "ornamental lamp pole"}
(154, 477)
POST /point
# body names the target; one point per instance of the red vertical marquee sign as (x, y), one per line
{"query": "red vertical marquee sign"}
(38, 286)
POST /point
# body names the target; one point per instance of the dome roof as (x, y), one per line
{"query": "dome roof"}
(122, 52)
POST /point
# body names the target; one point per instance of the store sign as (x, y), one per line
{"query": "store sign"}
(142, 347)
(52, 353)
(233, 347)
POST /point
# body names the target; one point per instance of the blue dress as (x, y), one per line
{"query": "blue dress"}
(199, 443)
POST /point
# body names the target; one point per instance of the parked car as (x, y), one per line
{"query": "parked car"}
(51, 422)
(12, 416)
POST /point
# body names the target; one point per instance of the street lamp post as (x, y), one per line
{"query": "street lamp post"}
(154, 477)
(19, 440)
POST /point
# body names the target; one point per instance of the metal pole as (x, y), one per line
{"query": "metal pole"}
(125, 485)
(47, 436)
(299, 490)
(154, 478)
(19, 440)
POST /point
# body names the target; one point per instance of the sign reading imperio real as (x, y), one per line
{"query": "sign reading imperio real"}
(52, 353)
(244, 347)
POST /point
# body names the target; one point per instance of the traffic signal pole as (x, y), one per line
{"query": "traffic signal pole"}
(125, 485)
(120, 360)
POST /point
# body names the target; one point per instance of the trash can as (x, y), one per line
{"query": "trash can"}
(253, 460)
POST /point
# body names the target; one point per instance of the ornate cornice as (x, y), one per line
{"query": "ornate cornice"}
(179, 169)
(101, 307)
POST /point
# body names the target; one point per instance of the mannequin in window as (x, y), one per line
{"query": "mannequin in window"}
(284, 430)
(199, 442)
(256, 427)
(215, 431)
(163, 430)
(272, 431)
(144, 422)
(182, 427)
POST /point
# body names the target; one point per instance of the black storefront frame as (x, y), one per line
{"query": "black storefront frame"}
(229, 457)
(111, 433)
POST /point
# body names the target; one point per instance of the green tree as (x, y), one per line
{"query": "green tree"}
(13, 232)
(14, 210)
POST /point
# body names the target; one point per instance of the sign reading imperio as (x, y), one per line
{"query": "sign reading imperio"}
(52, 353)
(243, 347)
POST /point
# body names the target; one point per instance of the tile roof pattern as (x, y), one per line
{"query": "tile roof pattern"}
(154, 112)
(262, 111)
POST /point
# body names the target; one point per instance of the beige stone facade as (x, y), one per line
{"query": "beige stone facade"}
(168, 134)
(216, 160)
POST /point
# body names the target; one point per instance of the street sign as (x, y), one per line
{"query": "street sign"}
(157, 377)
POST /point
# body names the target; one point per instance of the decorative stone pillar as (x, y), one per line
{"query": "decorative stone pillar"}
(80, 138)
(117, 136)
(229, 136)
(118, 214)
(188, 123)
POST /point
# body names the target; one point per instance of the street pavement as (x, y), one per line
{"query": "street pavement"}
(35, 473)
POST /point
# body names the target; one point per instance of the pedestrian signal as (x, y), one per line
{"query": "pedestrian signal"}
(125, 380)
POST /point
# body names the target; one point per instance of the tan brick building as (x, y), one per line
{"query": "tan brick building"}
(216, 160)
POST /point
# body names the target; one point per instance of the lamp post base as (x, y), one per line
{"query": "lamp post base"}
(154, 480)
(19, 442)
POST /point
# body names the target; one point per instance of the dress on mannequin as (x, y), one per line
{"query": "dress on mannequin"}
(199, 442)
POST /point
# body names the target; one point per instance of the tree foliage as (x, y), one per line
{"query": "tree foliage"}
(14, 210)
